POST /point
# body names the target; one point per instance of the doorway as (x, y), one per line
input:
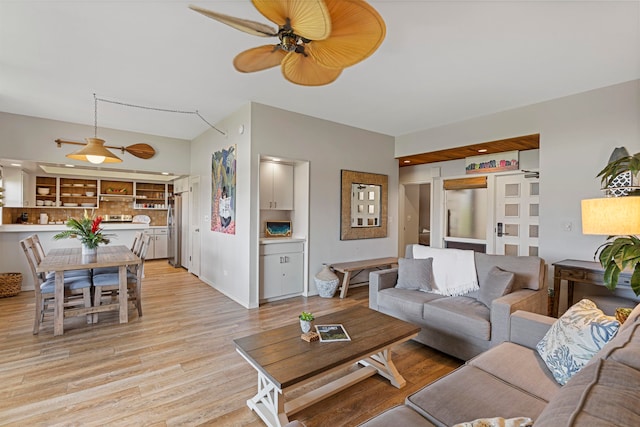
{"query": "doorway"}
(417, 214)
(194, 225)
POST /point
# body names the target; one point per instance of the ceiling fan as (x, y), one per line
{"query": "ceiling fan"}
(317, 38)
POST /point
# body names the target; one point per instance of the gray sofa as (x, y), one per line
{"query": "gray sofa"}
(511, 380)
(463, 326)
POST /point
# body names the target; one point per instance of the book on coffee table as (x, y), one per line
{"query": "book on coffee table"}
(332, 333)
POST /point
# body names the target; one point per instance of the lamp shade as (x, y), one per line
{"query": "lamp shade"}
(94, 152)
(611, 216)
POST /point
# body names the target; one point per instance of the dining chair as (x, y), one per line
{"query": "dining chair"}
(107, 284)
(135, 248)
(39, 254)
(45, 288)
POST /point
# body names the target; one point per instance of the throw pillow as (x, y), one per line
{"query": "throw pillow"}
(415, 274)
(498, 283)
(498, 422)
(574, 338)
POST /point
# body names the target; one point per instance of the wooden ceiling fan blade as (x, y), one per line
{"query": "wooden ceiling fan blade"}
(259, 58)
(251, 27)
(357, 31)
(309, 18)
(303, 70)
(140, 150)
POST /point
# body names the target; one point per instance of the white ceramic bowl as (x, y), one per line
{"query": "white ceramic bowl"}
(70, 205)
(89, 193)
(87, 205)
(40, 202)
(43, 191)
(48, 203)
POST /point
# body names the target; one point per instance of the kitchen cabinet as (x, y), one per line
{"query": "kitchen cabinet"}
(150, 195)
(281, 269)
(19, 191)
(157, 243)
(276, 186)
(76, 193)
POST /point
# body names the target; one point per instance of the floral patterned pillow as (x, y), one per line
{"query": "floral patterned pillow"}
(574, 338)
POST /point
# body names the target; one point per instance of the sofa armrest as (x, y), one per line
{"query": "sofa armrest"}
(501, 309)
(379, 280)
(527, 328)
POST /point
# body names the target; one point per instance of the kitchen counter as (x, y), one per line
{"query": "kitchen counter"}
(13, 259)
(272, 240)
(33, 228)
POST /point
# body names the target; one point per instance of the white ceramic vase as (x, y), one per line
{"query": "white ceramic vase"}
(326, 282)
(305, 325)
(86, 250)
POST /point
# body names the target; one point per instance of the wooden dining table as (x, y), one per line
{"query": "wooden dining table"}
(61, 260)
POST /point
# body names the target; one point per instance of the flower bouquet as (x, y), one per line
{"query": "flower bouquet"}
(86, 229)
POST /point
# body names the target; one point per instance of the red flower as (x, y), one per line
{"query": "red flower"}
(95, 225)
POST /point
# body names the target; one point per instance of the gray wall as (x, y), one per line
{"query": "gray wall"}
(577, 135)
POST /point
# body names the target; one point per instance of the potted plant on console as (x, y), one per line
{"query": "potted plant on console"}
(618, 218)
(87, 229)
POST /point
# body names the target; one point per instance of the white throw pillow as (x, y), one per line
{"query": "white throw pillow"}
(574, 338)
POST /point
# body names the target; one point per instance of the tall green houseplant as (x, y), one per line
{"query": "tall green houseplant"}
(620, 252)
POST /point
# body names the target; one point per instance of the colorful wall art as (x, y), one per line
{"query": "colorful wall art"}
(497, 162)
(223, 191)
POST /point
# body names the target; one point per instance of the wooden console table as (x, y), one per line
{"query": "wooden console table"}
(346, 268)
(575, 271)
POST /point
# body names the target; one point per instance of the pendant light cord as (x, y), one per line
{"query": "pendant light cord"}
(144, 107)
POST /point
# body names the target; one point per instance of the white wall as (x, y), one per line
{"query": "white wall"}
(577, 135)
(329, 147)
(32, 138)
(226, 259)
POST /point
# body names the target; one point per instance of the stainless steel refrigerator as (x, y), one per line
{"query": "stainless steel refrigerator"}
(174, 225)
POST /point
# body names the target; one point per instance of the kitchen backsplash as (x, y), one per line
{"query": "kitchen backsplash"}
(11, 215)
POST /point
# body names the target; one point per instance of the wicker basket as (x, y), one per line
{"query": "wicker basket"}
(10, 284)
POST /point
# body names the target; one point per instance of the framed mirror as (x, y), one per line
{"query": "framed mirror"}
(363, 205)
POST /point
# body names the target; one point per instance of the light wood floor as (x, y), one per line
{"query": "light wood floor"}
(176, 365)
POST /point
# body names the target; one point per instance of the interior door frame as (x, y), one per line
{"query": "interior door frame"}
(195, 236)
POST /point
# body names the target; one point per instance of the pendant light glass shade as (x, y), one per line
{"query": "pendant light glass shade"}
(95, 152)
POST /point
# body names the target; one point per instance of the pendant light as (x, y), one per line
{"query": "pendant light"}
(95, 152)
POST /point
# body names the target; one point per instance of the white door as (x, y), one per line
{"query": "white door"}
(194, 225)
(185, 250)
(516, 227)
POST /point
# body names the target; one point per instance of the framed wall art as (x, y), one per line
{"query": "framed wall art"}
(363, 205)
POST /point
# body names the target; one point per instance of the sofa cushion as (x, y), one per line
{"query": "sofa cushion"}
(498, 422)
(398, 416)
(519, 366)
(469, 393)
(528, 270)
(497, 283)
(574, 338)
(459, 315)
(415, 274)
(624, 347)
(404, 301)
(605, 393)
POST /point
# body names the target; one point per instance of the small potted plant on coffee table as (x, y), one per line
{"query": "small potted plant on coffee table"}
(305, 321)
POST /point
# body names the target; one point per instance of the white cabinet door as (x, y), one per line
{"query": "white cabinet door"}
(19, 188)
(271, 276)
(276, 186)
(292, 281)
(160, 244)
(266, 185)
(282, 187)
(152, 244)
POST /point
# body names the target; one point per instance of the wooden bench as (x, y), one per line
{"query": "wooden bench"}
(346, 268)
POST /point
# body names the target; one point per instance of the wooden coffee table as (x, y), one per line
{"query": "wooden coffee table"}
(283, 360)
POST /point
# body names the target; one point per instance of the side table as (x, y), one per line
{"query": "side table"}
(576, 271)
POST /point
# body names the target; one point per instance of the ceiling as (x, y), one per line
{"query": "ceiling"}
(441, 62)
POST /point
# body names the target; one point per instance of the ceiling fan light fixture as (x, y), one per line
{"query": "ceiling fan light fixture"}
(94, 152)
